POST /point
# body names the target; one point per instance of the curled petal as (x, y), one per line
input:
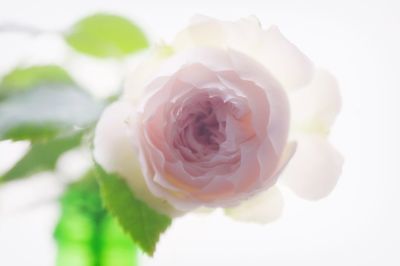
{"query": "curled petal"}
(278, 102)
(315, 107)
(286, 156)
(313, 171)
(114, 151)
(284, 60)
(262, 208)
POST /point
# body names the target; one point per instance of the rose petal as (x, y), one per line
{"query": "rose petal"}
(285, 61)
(313, 171)
(143, 73)
(277, 98)
(202, 32)
(264, 207)
(241, 35)
(114, 151)
(315, 107)
(286, 156)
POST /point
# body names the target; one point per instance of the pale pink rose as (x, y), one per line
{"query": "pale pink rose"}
(213, 120)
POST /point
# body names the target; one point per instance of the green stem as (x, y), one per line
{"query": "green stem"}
(96, 244)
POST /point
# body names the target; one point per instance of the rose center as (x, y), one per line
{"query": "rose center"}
(206, 129)
(201, 127)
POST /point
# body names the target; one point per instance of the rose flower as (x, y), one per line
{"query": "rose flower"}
(217, 118)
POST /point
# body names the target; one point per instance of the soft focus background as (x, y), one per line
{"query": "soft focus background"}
(358, 224)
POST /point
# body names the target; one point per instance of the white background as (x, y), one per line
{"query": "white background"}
(358, 224)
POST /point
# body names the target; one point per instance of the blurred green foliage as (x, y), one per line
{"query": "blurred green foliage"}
(34, 76)
(41, 157)
(45, 112)
(42, 104)
(105, 35)
(86, 234)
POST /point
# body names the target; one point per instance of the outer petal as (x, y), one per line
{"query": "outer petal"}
(113, 150)
(283, 59)
(264, 207)
(203, 31)
(314, 108)
(134, 86)
(286, 156)
(314, 169)
(241, 35)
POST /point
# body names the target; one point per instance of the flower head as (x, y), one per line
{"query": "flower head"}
(215, 123)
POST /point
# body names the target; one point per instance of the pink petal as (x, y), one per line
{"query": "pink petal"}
(313, 171)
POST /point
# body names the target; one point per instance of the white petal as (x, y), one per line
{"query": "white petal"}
(145, 72)
(315, 107)
(114, 151)
(262, 208)
(284, 60)
(243, 35)
(313, 171)
(203, 31)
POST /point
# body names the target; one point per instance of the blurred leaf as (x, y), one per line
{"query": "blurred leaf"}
(105, 35)
(141, 222)
(43, 104)
(42, 157)
(43, 112)
(86, 235)
(34, 76)
(39, 102)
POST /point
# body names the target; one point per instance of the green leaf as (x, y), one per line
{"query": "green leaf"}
(141, 222)
(42, 157)
(34, 76)
(105, 35)
(43, 112)
(86, 234)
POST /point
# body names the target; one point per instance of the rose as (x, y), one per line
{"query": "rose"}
(205, 123)
(212, 135)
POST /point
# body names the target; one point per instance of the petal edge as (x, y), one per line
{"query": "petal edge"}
(314, 169)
